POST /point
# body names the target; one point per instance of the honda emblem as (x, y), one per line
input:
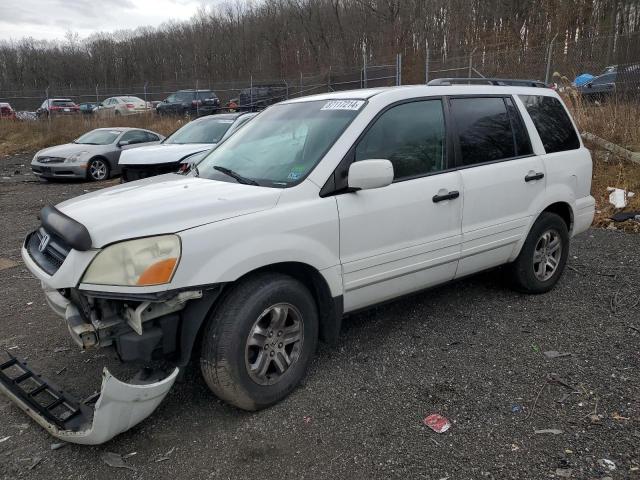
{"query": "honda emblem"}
(44, 241)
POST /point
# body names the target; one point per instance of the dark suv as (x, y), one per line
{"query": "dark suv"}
(259, 97)
(621, 80)
(195, 103)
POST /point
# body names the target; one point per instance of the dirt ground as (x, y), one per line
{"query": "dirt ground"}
(472, 351)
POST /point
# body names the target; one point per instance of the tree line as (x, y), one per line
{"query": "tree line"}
(281, 38)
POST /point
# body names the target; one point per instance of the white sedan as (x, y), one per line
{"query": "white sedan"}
(128, 105)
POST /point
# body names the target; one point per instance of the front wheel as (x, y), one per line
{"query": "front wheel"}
(258, 345)
(98, 169)
(543, 256)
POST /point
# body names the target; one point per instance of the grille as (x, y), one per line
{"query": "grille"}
(138, 172)
(51, 159)
(51, 258)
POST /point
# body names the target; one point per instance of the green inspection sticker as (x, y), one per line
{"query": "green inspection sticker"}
(296, 172)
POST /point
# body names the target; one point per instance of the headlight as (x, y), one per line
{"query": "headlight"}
(76, 156)
(145, 261)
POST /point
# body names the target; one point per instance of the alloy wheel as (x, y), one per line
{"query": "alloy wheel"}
(274, 343)
(98, 170)
(547, 254)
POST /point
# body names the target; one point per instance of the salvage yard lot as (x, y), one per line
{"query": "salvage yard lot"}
(471, 351)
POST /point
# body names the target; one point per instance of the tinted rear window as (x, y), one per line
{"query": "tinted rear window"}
(552, 123)
(484, 129)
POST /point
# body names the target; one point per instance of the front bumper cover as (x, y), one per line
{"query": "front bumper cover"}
(119, 406)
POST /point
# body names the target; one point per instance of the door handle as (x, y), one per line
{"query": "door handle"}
(534, 176)
(446, 196)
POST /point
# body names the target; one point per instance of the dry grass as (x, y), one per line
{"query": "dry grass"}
(19, 137)
(619, 123)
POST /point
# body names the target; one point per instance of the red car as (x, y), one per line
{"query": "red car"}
(58, 106)
(6, 112)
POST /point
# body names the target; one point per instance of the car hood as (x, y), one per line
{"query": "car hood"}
(162, 153)
(70, 148)
(163, 204)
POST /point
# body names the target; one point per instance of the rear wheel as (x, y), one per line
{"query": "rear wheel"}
(258, 345)
(543, 256)
(98, 169)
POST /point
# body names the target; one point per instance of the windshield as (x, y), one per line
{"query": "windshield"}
(201, 131)
(62, 103)
(132, 99)
(180, 97)
(98, 137)
(282, 144)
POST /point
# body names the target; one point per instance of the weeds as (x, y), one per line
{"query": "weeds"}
(20, 137)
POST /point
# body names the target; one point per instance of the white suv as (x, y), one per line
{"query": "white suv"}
(321, 206)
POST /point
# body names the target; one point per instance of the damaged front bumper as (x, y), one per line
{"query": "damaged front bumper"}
(117, 408)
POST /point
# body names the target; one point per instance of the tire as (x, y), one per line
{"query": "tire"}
(98, 169)
(539, 266)
(233, 341)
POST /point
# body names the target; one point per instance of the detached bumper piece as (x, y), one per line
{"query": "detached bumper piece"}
(93, 421)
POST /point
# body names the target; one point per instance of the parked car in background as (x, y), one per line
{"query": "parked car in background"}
(618, 80)
(322, 206)
(93, 156)
(6, 112)
(261, 96)
(58, 106)
(197, 136)
(194, 103)
(126, 105)
(88, 107)
(188, 162)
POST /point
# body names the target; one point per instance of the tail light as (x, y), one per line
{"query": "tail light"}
(196, 103)
(130, 105)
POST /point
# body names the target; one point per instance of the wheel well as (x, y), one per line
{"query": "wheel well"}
(563, 210)
(329, 308)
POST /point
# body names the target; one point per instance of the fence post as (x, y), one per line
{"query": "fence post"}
(48, 107)
(329, 80)
(145, 93)
(301, 84)
(251, 94)
(97, 98)
(426, 63)
(364, 65)
(549, 50)
(399, 69)
(471, 61)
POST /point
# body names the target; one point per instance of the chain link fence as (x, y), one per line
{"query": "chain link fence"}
(561, 59)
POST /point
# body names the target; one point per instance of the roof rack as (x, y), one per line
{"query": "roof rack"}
(491, 81)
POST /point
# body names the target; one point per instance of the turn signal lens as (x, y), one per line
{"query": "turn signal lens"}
(158, 273)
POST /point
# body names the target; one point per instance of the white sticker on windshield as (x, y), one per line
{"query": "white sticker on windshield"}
(226, 121)
(116, 132)
(343, 105)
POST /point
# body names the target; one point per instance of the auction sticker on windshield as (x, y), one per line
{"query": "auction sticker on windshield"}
(343, 105)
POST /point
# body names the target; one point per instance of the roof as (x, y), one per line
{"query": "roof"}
(221, 116)
(426, 90)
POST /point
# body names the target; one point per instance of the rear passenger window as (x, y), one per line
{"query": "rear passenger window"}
(411, 136)
(487, 132)
(552, 123)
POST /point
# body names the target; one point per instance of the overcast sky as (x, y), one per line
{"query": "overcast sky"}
(51, 19)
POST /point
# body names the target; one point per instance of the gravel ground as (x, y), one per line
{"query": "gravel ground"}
(471, 350)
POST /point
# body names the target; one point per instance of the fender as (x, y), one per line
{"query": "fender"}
(557, 193)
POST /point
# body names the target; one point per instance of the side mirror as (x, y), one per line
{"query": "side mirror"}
(368, 174)
(122, 143)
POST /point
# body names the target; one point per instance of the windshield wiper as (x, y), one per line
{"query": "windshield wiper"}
(237, 176)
